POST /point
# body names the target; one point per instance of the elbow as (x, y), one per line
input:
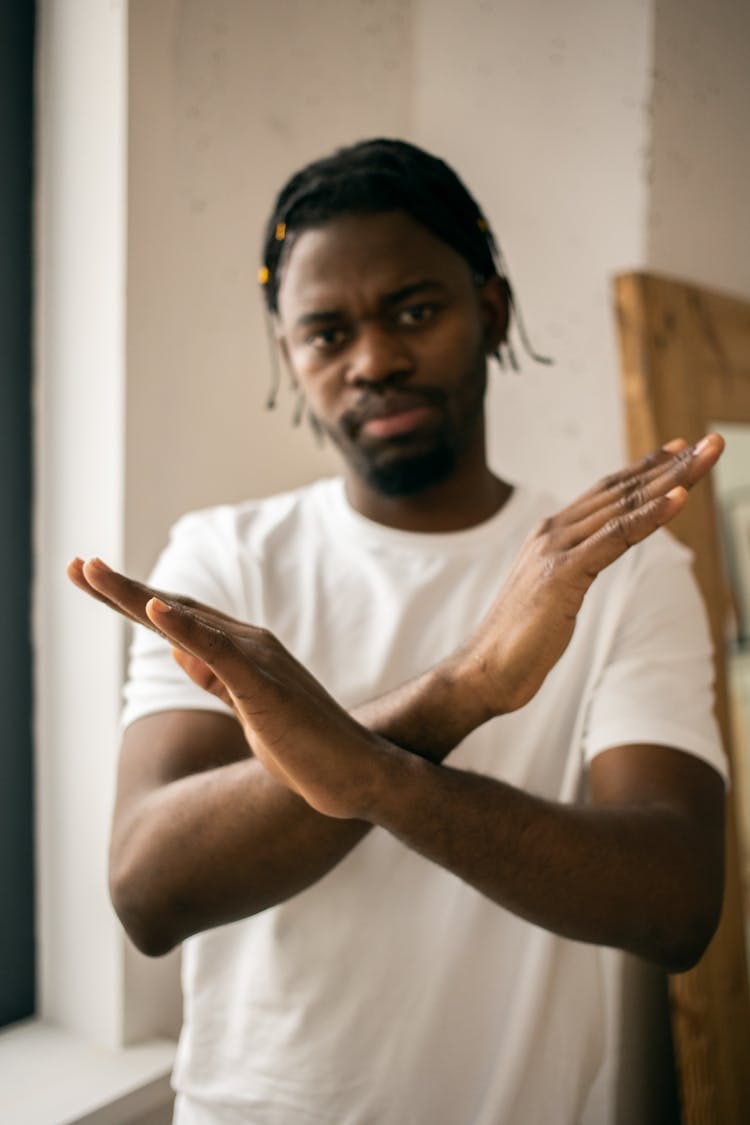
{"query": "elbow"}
(683, 957)
(692, 900)
(142, 910)
(689, 946)
(690, 931)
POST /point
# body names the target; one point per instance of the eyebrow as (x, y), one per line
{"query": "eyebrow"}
(326, 316)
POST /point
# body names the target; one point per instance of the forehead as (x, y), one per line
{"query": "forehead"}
(364, 256)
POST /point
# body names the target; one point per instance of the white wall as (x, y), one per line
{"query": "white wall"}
(698, 225)
(226, 100)
(543, 109)
(80, 313)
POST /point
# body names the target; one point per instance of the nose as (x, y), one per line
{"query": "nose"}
(377, 355)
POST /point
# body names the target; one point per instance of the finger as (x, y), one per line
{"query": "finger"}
(201, 674)
(610, 488)
(617, 535)
(690, 462)
(684, 470)
(125, 596)
(120, 592)
(672, 464)
(651, 462)
(197, 636)
(131, 596)
(75, 572)
(676, 445)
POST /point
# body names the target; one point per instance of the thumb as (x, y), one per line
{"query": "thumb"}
(200, 673)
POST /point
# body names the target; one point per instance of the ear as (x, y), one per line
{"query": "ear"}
(494, 301)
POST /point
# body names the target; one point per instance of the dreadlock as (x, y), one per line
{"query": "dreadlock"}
(371, 177)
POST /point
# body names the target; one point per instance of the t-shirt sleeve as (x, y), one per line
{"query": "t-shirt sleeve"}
(657, 685)
(196, 562)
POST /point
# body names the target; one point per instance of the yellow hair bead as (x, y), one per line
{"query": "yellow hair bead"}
(280, 232)
(263, 275)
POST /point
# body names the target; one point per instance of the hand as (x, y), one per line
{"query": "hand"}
(129, 598)
(531, 622)
(293, 727)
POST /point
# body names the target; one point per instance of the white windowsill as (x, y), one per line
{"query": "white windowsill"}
(51, 1077)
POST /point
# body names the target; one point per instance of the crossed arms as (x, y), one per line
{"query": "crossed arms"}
(218, 817)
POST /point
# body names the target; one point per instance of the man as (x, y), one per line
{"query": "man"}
(393, 897)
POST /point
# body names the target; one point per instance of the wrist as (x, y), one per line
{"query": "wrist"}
(429, 715)
(471, 693)
(392, 774)
(451, 706)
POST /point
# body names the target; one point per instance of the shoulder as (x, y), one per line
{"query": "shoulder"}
(213, 553)
(250, 523)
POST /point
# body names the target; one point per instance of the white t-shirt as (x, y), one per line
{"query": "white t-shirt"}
(390, 991)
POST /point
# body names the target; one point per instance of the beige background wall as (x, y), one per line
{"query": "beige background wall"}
(699, 171)
(226, 100)
(598, 137)
(542, 107)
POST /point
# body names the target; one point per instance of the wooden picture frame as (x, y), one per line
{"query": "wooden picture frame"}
(685, 361)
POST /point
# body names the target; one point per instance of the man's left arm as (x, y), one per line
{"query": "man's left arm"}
(639, 868)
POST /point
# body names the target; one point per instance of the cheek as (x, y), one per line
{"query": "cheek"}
(456, 346)
(307, 371)
(320, 387)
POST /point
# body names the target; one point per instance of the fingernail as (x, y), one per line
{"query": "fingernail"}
(701, 445)
(161, 606)
(674, 446)
(100, 563)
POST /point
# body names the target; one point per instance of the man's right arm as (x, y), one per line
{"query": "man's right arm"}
(194, 847)
(204, 835)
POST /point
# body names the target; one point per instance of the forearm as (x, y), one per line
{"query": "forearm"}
(225, 843)
(216, 846)
(429, 715)
(619, 876)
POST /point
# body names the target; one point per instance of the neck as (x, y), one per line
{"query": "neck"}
(469, 496)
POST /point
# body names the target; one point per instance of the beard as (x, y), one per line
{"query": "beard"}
(404, 465)
(408, 474)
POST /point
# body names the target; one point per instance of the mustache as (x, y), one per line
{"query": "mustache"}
(382, 403)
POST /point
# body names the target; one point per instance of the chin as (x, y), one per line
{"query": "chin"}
(409, 475)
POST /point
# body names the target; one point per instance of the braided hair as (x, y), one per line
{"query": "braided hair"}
(368, 178)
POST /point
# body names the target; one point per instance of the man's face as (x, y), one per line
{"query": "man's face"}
(386, 333)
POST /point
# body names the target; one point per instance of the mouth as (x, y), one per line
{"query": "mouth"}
(398, 422)
(393, 416)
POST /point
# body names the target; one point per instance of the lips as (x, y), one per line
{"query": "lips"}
(392, 416)
(401, 422)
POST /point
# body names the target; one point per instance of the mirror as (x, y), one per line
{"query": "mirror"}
(685, 361)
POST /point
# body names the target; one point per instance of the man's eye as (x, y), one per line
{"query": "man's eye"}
(415, 315)
(326, 338)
